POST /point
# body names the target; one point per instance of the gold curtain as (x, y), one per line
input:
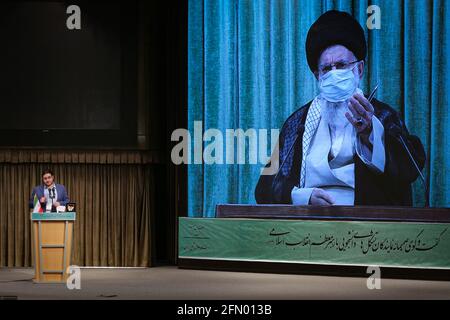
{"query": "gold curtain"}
(115, 203)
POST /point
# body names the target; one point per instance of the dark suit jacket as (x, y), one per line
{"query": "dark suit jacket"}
(392, 187)
(62, 197)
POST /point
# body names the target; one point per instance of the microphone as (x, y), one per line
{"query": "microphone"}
(51, 194)
(397, 132)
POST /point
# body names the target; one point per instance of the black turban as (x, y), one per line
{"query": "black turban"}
(333, 28)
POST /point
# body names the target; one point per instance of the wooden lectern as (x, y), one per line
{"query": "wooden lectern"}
(52, 235)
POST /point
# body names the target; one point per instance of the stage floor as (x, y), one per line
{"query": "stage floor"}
(174, 283)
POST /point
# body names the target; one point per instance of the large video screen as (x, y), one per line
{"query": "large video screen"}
(343, 102)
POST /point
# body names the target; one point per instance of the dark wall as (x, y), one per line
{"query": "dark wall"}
(168, 97)
(62, 87)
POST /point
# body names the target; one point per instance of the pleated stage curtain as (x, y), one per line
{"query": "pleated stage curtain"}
(115, 204)
(247, 68)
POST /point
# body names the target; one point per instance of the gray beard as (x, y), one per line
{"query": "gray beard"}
(334, 113)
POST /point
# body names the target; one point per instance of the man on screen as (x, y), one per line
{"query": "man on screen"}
(341, 148)
(49, 194)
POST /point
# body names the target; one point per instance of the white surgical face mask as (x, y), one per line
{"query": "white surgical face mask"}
(338, 85)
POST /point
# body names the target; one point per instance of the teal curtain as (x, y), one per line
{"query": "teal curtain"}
(247, 69)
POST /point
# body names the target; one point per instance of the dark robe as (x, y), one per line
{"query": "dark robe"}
(390, 188)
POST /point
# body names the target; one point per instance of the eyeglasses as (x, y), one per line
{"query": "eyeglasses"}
(339, 65)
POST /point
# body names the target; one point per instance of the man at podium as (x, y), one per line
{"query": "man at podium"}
(50, 195)
(344, 147)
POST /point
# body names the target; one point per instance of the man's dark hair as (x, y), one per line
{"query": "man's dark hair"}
(47, 171)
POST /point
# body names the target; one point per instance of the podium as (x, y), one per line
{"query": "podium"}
(52, 241)
(325, 240)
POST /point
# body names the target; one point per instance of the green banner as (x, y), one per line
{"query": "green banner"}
(404, 244)
(53, 216)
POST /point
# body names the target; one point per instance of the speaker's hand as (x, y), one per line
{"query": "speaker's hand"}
(320, 197)
(362, 112)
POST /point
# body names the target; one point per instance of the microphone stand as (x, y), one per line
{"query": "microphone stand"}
(51, 193)
(398, 135)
